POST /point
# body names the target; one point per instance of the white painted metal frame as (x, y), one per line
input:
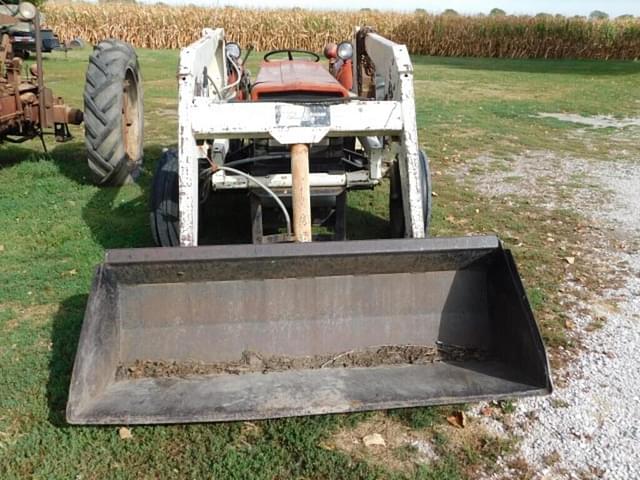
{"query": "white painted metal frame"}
(206, 116)
(393, 64)
(285, 122)
(207, 52)
(221, 180)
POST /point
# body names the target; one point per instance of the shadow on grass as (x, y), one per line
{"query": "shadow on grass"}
(11, 154)
(71, 161)
(64, 339)
(559, 67)
(117, 223)
(114, 222)
(363, 225)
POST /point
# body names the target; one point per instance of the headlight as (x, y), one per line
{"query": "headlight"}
(232, 50)
(345, 51)
(27, 11)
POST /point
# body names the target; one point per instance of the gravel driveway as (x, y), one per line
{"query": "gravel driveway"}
(590, 426)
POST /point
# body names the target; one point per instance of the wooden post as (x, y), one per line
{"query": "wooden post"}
(300, 192)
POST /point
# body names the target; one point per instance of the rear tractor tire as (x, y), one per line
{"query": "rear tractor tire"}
(113, 114)
(396, 207)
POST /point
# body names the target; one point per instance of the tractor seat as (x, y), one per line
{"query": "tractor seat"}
(294, 80)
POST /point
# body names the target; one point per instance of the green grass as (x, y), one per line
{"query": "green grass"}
(56, 226)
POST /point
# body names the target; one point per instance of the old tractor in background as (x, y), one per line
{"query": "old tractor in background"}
(27, 107)
(113, 114)
(23, 35)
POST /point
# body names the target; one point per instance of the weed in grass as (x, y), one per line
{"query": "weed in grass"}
(418, 417)
(596, 323)
(559, 403)
(507, 406)
(552, 458)
(447, 469)
(405, 452)
(521, 468)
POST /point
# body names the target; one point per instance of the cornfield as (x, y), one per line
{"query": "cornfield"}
(162, 26)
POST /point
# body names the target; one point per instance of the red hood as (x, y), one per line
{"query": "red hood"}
(297, 76)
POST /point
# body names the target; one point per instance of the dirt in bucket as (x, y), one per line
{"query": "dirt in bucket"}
(254, 362)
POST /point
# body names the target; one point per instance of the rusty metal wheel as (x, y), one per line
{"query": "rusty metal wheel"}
(113, 114)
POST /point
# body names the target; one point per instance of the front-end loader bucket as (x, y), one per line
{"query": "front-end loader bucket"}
(241, 332)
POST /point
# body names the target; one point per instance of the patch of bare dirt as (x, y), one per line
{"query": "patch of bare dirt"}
(595, 121)
(31, 313)
(598, 190)
(384, 441)
(253, 362)
(402, 449)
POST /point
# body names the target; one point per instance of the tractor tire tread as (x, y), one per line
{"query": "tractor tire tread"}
(164, 215)
(103, 98)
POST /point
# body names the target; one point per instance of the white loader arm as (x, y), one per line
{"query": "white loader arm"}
(393, 67)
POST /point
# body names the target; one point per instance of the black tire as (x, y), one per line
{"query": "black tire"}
(164, 201)
(113, 113)
(396, 208)
(76, 43)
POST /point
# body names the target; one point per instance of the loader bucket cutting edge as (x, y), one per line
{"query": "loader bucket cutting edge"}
(208, 305)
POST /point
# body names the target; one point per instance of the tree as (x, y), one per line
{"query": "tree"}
(497, 12)
(420, 11)
(625, 17)
(543, 15)
(598, 15)
(450, 12)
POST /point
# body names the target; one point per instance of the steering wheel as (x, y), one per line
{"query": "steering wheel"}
(290, 52)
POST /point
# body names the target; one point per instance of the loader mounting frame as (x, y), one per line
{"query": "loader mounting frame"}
(385, 126)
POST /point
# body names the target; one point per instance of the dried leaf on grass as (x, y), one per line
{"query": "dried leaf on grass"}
(124, 433)
(374, 440)
(570, 260)
(457, 419)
